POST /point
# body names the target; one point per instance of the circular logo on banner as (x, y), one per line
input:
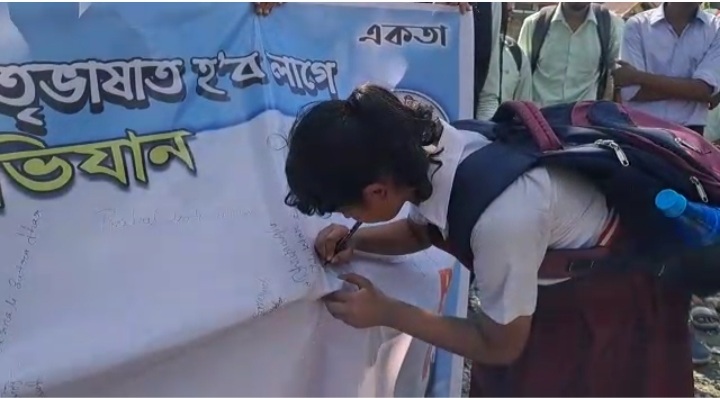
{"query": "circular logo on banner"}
(409, 96)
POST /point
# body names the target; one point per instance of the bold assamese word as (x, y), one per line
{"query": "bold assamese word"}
(132, 83)
(404, 34)
(42, 169)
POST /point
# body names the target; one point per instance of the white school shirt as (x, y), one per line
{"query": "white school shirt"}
(544, 208)
(516, 83)
(650, 44)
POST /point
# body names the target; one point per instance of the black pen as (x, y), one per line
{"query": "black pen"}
(340, 246)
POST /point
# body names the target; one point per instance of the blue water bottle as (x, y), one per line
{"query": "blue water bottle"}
(698, 224)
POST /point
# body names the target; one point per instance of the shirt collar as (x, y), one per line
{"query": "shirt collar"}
(658, 14)
(559, 16)
(704, 16)
(451, 145)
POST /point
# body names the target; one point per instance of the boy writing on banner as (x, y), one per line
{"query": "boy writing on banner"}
(366, 156)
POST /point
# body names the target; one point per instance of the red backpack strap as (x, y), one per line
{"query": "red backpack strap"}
(580, 117)
(530, 116)
(568, 263)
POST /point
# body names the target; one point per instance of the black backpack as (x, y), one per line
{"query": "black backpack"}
(604, 26)
(629, 155)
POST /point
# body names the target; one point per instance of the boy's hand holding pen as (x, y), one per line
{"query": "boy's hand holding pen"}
(334, 243)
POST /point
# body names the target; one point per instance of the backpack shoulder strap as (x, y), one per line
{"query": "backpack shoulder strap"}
(515, 50)
(604, 27)
(542, 25)
(487, 173)
(479, 179)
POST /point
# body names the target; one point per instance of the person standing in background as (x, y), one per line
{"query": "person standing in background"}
(670, 68)
(572, 47)
(670, 63)
(712, 128)
(516, 78)
(487, 58)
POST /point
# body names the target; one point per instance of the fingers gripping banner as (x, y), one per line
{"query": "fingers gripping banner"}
(146, 248)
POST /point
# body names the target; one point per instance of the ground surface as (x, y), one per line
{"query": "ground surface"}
(707, 378)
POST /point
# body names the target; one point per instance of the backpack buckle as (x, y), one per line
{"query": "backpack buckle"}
(579, 266)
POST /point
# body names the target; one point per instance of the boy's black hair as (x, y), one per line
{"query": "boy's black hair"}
(336, 148)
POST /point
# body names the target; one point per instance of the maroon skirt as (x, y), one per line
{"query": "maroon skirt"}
(611, 335)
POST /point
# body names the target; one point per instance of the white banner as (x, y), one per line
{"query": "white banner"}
(147, 250)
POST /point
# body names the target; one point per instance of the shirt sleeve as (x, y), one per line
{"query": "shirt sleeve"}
(525, 36)
(523, 92)
(631, 51)
(616, 37)
(509, 243)
(416, 217)
(708, 70)
(488, 98)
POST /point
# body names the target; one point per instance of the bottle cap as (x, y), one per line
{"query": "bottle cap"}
(670, 203)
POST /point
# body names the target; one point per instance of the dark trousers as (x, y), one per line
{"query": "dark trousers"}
(608, 335)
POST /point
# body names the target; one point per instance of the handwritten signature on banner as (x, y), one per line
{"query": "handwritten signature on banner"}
(265, 305)
(45, 170)
(112, 219)
(68, 88)
(28, 232)
(302, 265)
(23, 388)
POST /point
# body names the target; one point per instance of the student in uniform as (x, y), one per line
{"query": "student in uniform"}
(611, 335)
(669, 68)
(569, 58)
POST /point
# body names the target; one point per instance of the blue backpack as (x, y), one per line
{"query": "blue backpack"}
(629, 155)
